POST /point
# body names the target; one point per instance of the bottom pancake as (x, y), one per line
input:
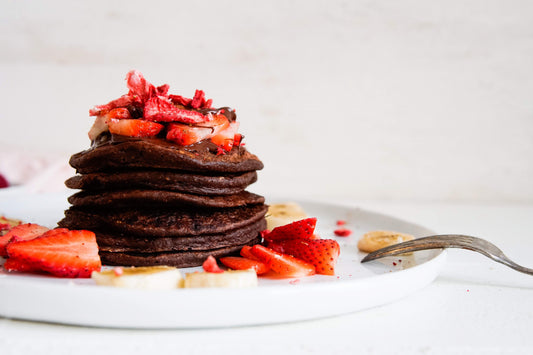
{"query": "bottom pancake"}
(178, 259)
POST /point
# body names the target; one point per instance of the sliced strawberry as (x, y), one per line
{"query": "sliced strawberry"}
(19, 265)
(161, 109)
(59, 252)
(284, 265)
(226, 137)
(120, 113)
(210, 265)
(21, 232)
(246, 252)
(302, 229)
(322, 253)
(239, 263)
(185, 134)
(133, 127)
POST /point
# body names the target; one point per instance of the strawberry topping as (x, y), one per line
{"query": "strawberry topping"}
(134, 128)
(146, 102)
(159, 108)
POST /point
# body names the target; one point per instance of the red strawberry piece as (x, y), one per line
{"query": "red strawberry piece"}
(162, 90)
(59, 252)
(139, 86)
(322, 253)
(341, 222)
(159, 108)
(180, 100)
(239, 263)
(21, 232)
(210, 265)
(198, 99)
(3, 182)
(264, 234)
(283, 264)
(342, 232)
(225, 138)
(246, 252)
(19, 265)
(302, 229)
(122, 101)
(185, 134)
(120, 113)
(134, 127)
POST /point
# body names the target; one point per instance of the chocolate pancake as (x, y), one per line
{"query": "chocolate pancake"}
(177, 259)
(163, 222)
(126, 243)
(123, 198)
(165, 180)
(114, 152)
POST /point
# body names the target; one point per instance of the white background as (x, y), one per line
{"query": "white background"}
(419, 100)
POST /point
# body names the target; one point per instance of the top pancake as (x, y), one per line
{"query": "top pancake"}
(113, 152)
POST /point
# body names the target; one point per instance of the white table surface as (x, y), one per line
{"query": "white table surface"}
(475, 306)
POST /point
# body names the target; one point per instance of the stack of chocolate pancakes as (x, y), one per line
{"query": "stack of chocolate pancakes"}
(153, 202)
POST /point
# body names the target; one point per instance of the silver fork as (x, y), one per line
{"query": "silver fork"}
(448, 241)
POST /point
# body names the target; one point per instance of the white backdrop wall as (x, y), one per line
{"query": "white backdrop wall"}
(425, 100)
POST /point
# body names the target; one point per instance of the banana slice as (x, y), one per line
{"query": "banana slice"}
(284, 213)
(375, 240)
(230, 278)
(146, 278)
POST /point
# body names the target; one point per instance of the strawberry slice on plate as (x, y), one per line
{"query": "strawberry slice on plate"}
(210, 265)
(282, 264)
(21, 232)
(62, 253)
(134, 127)
(302, 229)
(240, 263)
(322, 253)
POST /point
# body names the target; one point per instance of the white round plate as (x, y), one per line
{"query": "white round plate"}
(355, 287)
